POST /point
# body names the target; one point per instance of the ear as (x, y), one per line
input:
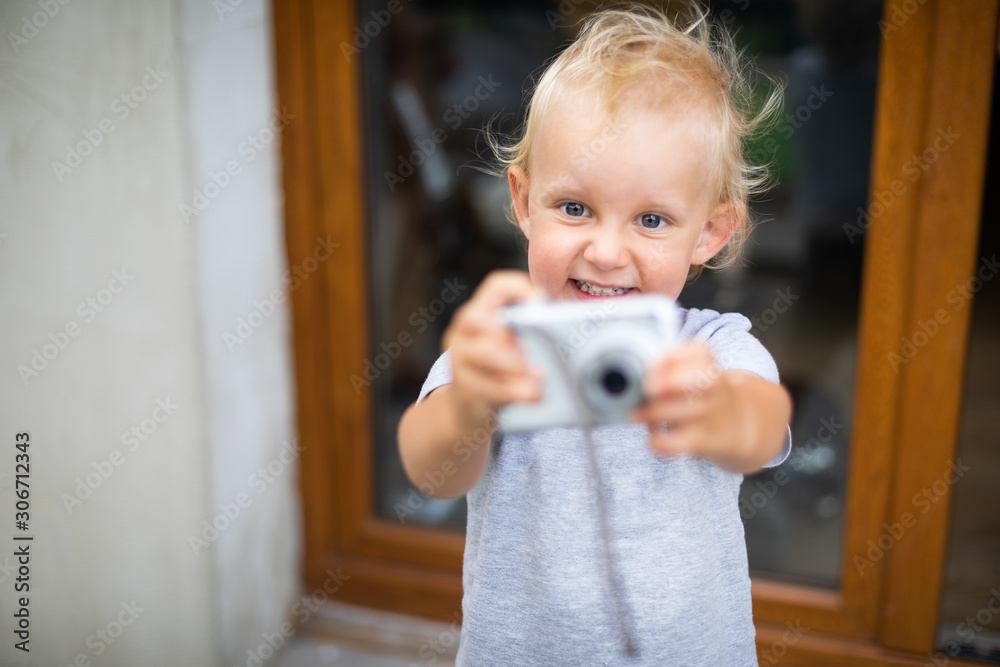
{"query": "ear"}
(518, 180)
(718, 229)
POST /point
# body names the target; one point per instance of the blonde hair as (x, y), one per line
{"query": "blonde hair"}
(620, 50)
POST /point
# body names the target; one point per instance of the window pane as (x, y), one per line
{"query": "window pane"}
(434, 76)
(801, 282)
(439, 71)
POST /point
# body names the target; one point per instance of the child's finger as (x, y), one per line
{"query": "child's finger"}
(685, 354)
(500, 388)
(676, 411)
(681, 376)
(494, 360)
(479, 315)
(502, 288)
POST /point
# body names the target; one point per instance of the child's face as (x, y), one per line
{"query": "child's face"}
(625, 203)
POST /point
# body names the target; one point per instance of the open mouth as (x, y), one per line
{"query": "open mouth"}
(597, 290)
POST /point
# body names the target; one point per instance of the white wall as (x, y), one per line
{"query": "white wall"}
(234, 121)
(159, 338)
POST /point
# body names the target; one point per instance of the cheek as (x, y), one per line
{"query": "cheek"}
(666, 259)
(665, 269)
(550, 242)
(550, 254)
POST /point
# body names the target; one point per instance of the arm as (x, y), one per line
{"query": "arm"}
(734, 418)
(447, 435)
(433, 439)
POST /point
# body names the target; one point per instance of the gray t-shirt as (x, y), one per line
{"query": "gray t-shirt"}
(534, 575)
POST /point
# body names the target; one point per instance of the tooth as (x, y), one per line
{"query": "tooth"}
(601, 291)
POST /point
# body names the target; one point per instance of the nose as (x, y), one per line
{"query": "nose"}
(607, 249)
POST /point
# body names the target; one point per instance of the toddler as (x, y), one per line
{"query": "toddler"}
(627, 178)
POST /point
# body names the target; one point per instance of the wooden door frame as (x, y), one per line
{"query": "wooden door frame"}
(935, 73)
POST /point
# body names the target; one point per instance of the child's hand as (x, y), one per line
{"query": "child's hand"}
(488, 367)
(730, 417)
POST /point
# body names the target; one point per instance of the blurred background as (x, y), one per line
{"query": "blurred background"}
(148, 345)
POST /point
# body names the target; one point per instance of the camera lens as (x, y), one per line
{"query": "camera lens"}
(610, 381)
(614, 381)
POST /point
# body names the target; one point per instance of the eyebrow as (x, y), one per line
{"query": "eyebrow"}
(658, 203)
(564, 181)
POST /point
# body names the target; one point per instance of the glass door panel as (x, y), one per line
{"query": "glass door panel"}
(439, 71)
(801, 281)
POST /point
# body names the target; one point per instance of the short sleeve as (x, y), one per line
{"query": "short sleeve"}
(734, 348)
(439, 375)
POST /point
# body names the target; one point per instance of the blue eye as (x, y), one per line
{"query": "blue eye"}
(652, 221)
(573, 209)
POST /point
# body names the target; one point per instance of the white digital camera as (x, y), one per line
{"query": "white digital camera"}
(593, 355)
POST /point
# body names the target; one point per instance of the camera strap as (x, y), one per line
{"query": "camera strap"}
(626, 622)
